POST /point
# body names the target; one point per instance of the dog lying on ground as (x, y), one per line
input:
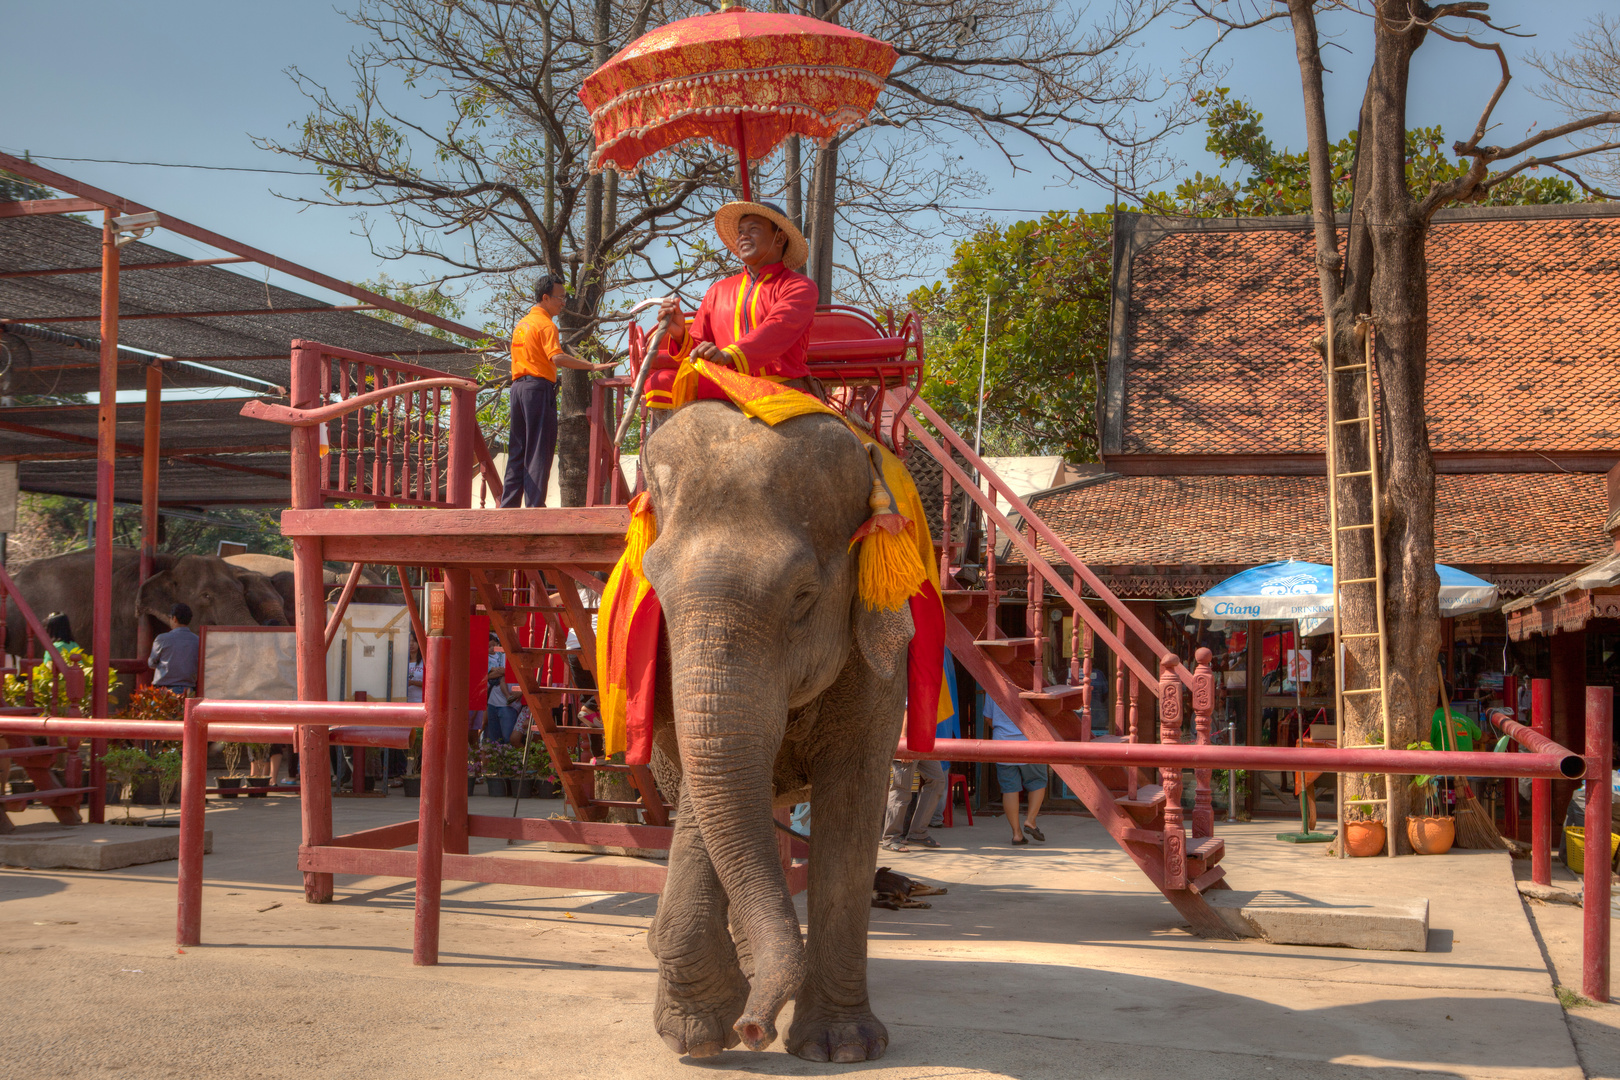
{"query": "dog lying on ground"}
(895, 891)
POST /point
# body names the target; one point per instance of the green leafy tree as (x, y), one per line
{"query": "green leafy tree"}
(1047, 285)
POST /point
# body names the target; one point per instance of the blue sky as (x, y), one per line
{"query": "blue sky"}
(186, 81)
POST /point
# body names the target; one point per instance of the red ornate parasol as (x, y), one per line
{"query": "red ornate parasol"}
(741, 79)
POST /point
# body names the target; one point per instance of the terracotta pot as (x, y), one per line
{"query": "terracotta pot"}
(1431, 835)
(1363, 838)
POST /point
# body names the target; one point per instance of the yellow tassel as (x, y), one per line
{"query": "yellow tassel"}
(641, 534)
(889, 570)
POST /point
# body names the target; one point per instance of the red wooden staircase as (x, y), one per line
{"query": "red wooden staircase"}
(1147, 820)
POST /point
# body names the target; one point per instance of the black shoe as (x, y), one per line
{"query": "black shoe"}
(1030, 830)
(1018, 843)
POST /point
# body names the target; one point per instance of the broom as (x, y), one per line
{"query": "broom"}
(1475, 829)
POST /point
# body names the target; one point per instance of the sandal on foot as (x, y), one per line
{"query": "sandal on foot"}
(1030, 830)
(925, 842)
(1018, 843)
(891, 846)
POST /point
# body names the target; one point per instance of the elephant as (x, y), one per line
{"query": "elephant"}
(279, 571)
(776, 685)
(219, 595)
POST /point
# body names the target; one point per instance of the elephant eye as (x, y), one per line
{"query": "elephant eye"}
(803, 599)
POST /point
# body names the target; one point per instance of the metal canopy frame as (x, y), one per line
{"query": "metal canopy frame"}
(192, 322)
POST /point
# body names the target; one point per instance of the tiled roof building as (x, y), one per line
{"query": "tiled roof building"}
(1214, 412)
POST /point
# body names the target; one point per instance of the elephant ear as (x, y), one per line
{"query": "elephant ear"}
(882, 636)
(157, 594)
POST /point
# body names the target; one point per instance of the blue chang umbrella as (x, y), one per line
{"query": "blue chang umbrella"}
(1303, 591)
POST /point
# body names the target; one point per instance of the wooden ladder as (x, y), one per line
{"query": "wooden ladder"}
(1364, 469)
(510, 608)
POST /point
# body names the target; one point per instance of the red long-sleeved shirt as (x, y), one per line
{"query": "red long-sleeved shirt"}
(760, 322)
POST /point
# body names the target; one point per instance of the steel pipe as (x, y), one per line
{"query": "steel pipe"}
(323, 713)
(394, 737)
(1562, 765)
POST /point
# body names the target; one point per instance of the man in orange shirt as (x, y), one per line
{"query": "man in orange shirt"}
(537, 353)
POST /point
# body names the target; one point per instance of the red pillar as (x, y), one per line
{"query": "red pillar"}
(106, 449)
(430, 815)
(314, 761)
(149, 495)
(1595, 887)
(1541, 790)
(193, 803)
(457, 620)
(1568, 670)
(1510, 786)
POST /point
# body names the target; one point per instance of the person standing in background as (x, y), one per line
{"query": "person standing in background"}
(1015, 779)
(537, 353)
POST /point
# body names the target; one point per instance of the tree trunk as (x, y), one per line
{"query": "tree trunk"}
(792, 198)
(1384, 279)
(824, 216)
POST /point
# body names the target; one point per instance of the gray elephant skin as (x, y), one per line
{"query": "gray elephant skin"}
(279, 571)
(218, 593)
(777, 685)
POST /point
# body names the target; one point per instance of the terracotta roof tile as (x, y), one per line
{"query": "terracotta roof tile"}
(1524, 339)
(1480, 519)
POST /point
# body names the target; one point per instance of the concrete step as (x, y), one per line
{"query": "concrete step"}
(1285, 917)
(91, 847)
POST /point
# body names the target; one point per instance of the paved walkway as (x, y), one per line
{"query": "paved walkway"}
(1047, 961)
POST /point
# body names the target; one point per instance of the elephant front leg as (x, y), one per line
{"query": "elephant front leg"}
(833, 1018)
(701, 989)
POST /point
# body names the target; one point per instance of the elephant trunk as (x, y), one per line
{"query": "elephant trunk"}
(730, 715)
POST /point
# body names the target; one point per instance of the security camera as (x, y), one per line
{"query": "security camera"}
(134, 226)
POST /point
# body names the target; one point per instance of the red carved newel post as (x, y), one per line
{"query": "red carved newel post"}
(1175, 835)
(1203, 704)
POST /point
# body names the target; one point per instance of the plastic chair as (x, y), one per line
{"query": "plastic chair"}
(952, 782)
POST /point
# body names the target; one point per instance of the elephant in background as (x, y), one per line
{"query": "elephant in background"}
(218, 593)
(777, 685)
(279, 571)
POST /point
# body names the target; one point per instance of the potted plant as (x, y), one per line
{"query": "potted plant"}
(539, 779)
(233, 777)
(259, 769)
(126, 765)
(412, 779)
(1365, 834)
(502, 766)
(166, 763)
(1430, 833)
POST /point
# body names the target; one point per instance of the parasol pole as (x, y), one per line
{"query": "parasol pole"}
(648, 356)
(742, 161)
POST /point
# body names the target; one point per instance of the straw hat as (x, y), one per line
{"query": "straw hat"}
(725, 223)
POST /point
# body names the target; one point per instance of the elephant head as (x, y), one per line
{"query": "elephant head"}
(264, 599)
(208, 585)
(753, 568)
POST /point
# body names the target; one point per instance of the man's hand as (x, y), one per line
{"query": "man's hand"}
(669, 313)
(707, 350)
(605, 367)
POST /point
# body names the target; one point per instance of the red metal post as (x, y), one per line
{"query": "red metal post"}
(149, 495)
(430, 819)
(106, 451)
(1175, 839)
(458, 599)
(1203, 703)
(314, 758)
(193, 802)
(1595, 887)
(1510, 792)
(1541, 790)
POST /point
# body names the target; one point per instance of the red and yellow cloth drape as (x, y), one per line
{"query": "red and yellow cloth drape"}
(896, 566)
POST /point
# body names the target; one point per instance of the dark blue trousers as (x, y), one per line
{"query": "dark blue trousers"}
(532, 442)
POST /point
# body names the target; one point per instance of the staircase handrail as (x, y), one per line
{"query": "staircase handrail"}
(286, 414)
(1041, 529)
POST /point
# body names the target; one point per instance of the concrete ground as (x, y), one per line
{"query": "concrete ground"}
(1051, 961)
